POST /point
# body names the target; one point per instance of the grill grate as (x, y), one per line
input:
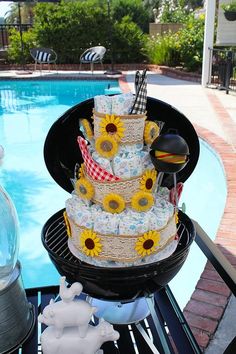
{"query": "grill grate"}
(56, 239)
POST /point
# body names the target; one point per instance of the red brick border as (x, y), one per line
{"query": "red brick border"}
(208, 302)
(210, 298)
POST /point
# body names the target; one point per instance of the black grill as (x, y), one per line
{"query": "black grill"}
(122, 284)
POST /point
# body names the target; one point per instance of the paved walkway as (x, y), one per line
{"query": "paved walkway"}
(213, 113)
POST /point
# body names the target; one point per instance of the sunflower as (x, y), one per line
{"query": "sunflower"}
(86, 128)
(79, 171)
(147, 243)
(90, 243)
(112, 125)
(84, 188)
(148, 180)
(142, 201)
(106, 146)
(176, 217)
(151, 132)
(113, 203)
(68, 228)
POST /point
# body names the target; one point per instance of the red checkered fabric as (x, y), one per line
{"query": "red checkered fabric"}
(94, 170)
(176, 193)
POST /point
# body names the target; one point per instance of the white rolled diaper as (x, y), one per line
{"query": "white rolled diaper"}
(127, 165)
(103, 104)
(122, 104)
(106, 223)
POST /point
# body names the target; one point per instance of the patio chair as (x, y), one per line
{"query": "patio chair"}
(92, 55)
(43, 56)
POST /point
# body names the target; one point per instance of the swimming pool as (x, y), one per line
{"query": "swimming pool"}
(28, 109)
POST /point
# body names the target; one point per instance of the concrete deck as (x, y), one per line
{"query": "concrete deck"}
(213, 113)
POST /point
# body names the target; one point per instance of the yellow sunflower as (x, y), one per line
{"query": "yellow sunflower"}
(147, 243)
(112, 125)
(151, 132)
(148, 180)
(106, 146)
(68, 228)
(142, 201)
(86, 128)
(176, 217)
(84, 188)
(90, 243)
(79, 171)
(113, 203)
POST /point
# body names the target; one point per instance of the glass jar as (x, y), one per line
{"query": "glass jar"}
(9, 238)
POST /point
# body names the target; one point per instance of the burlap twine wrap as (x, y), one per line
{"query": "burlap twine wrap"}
(133, 124)
(121, 248)
(125, 188)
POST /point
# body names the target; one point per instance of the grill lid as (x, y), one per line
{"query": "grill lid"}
(61, 150)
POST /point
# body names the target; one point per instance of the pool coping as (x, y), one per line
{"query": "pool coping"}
(209, 300)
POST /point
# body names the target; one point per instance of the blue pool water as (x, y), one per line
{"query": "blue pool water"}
(27, 111)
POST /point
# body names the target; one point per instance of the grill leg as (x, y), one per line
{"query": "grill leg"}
(157, 323)
(146, 338)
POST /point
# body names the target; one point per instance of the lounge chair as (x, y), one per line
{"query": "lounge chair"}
(91, 56)
(43, 56)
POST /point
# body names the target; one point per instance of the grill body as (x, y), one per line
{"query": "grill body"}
(115, 284)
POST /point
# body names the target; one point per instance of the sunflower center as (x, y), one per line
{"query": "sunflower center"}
(111, 128)
(152, 132)
(82, 189)
(143, 201)
(89, 243)
(148, 244)
(106, 146)
(113, 204)
(149, 183)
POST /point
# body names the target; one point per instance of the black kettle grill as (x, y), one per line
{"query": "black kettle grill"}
(61, 153)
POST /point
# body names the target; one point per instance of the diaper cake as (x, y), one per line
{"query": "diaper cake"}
(118, 215)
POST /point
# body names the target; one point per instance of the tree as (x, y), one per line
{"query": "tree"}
(26, 10)
(135, 9)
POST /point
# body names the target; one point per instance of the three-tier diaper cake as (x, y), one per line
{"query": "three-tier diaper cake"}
(118, 214)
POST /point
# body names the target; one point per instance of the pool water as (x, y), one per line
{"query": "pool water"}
(28, 109)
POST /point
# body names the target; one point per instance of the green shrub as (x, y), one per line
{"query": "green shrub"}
(136, 11)
(15, 53)
(173, 12)
(161, 50)
(182, 48)
(70, 28)
(128, 41)
(189, 43)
